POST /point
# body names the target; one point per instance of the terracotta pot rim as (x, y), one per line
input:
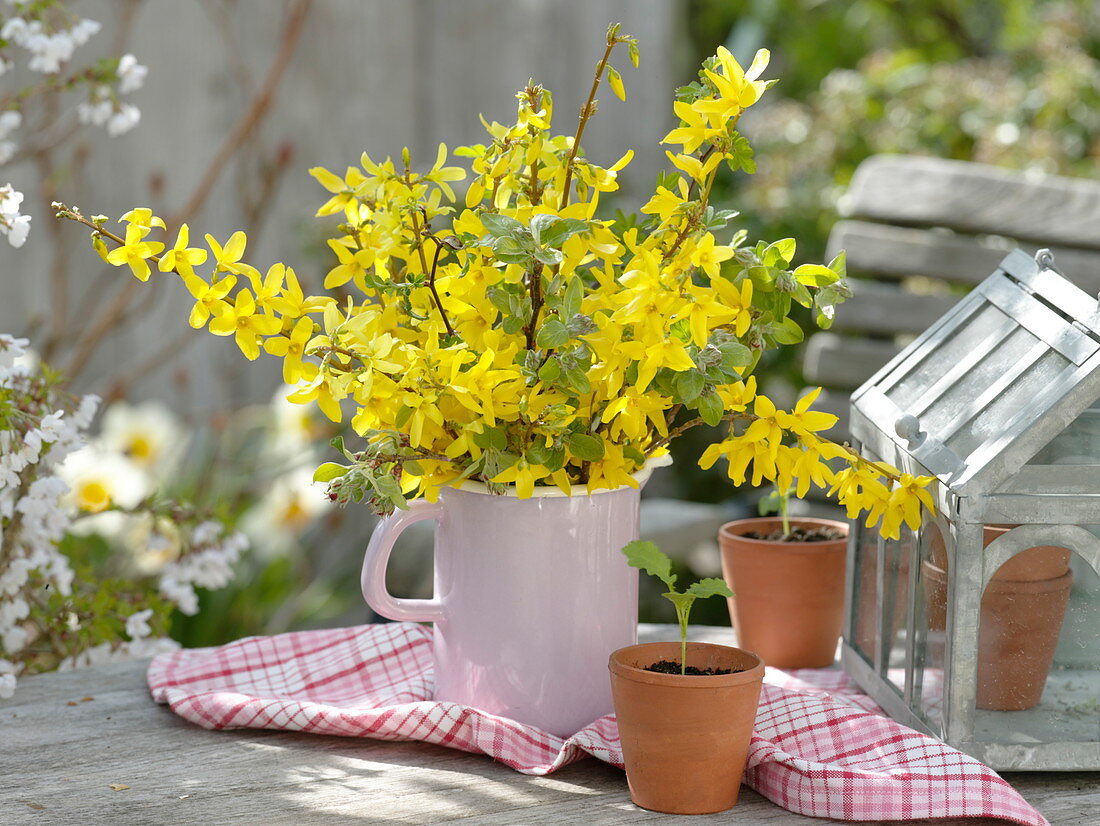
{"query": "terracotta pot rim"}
(711, 681)
(730, 531)
(1012, 586)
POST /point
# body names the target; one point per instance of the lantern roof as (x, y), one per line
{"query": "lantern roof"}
(991, 383)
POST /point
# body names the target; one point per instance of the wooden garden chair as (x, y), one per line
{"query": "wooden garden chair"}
(919, 233)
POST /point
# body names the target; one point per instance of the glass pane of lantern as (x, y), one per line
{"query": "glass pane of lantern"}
(930, 624)
(1026, 693)
(862, 634)
(1078, 444)
(895, 601)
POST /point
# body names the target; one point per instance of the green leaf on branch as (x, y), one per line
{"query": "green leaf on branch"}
(787, 331)
(779, 253)
(580, 325)
(839, 264)
(546, 255)
(689, 385)
(551, 231)
(511, 251)
(552, 334)
(574, 296)
(815, 275)
(735, 354)
(550, 371)
(329, 471)
(500, 226)
(711, 409)
(586, 447)
(388, 487)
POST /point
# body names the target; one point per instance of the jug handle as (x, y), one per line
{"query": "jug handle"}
(377, 558)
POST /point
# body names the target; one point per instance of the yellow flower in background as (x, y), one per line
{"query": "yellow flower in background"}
(343, 189)
(804, 421)
(181, 258)
(242, 321)
(292, 349)
(142, 219)
(149, 435)
(353, 266)
(268, 290)
(523, 475)
(209, 298)
(513, 328)
(99, 479)
(227, 258)
(696, 130)
(707, 257)
(441, 175)
(135, 252)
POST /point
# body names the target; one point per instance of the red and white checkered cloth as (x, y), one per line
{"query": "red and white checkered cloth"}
(820, 747)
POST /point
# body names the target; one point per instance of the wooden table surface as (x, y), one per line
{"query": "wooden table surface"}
(60, 755)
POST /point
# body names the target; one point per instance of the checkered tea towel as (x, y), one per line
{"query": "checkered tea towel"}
(819, 748)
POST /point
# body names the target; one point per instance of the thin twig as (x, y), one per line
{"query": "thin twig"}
(586, 114)
(292, 30)
(99, 328)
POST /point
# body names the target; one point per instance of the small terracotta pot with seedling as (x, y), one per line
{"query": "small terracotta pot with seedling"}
(789, 578)
(685, 710)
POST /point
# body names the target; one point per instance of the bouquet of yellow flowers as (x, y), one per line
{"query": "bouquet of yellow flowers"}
(511, 335)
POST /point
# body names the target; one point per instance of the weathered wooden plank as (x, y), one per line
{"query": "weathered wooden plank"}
(890, 252)
(919, 191)
(889, 309)
(837, 361)
(181, 774)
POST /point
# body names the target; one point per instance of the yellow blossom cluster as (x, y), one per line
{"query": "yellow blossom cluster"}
(510, 333)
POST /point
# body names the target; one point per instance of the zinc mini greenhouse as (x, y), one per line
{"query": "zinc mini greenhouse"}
(983, 626)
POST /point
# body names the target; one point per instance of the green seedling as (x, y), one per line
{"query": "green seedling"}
(648, 557)
(778, 501)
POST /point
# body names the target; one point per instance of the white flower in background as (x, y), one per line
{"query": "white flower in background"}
(278, 519)
(48, 49)
(98, 109)
(11, 350)
(82, 32)
(12, 635)
(98, 480)
(209, 565)
(131, 74)
(124, 119)
(137, 624)
(148, 434)
(8, 673)
(118, 652)
(12, 224)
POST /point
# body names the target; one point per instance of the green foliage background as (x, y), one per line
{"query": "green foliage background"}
(1014, 83)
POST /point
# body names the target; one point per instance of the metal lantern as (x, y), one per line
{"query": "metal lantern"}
(982, 627)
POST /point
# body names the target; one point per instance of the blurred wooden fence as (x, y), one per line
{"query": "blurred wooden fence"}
(369, 75)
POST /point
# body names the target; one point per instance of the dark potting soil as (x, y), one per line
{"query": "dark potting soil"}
(669, 667)
(798, 534)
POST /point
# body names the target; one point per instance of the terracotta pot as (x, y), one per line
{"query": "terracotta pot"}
(1020, 625)
(788, 602)
(1036, 564)
(685, 739)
